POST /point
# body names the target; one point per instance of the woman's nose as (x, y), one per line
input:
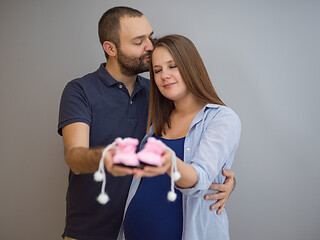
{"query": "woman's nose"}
(165, 75)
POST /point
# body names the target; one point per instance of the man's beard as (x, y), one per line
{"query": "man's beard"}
(131, 66)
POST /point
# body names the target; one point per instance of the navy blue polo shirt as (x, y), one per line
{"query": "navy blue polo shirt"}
(103, 103)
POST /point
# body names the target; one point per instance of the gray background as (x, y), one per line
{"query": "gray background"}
(264, 60)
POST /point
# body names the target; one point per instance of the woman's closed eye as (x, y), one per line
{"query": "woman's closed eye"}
(157, 70)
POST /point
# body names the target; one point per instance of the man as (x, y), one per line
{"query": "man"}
(99, 107)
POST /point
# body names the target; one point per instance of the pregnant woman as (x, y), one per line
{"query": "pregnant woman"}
(187, 115)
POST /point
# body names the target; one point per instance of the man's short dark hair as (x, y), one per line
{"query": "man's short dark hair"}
(109, 24)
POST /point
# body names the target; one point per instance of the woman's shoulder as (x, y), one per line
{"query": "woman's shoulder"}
(214, 111)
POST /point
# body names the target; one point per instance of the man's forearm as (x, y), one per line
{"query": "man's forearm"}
(83, 160)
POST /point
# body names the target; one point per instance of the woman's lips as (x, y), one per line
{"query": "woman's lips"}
(169, 85)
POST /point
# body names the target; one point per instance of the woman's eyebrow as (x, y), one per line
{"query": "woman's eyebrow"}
(170, 61)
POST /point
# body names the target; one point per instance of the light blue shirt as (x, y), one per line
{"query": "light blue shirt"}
(210, 145)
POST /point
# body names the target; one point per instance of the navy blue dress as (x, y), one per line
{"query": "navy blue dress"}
(150, 215)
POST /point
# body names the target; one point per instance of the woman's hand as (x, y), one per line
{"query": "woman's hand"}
(150, 171)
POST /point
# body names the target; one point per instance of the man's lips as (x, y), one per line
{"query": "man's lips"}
(147, 57)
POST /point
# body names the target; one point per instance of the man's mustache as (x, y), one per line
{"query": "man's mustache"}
(148, 54)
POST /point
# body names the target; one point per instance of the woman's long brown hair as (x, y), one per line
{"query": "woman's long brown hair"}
(193, 73)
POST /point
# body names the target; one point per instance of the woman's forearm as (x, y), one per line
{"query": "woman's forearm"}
(189, 176)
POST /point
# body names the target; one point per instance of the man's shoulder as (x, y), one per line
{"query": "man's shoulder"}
(88, 79)
(87, 84)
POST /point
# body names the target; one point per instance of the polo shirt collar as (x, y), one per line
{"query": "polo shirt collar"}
(108, 80)
(105, 76)
(139, 81)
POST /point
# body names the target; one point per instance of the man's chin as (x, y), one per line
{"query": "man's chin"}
(145, 67)
(143, 70)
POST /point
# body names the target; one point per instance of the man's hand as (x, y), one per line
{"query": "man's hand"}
(115, 170)
(224, 191)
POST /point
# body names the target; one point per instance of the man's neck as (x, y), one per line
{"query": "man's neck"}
(115, 72)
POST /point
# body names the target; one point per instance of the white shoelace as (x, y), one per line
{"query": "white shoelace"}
(175, 176)
(100, 176)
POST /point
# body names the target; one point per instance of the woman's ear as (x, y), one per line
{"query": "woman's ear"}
(110, 48)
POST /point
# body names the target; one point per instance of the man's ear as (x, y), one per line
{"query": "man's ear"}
(110, 48)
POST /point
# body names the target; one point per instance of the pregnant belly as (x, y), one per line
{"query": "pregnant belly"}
(150, 215)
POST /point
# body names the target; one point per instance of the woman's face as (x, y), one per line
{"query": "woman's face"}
(167, 76)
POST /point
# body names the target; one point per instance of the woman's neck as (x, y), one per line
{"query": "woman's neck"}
(188, 105)
(182, 117)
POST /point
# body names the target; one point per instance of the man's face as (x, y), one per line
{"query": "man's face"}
(135, 48)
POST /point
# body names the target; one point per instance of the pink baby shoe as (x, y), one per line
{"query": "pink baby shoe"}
(126, 155)
(151, 153)
(126, 152)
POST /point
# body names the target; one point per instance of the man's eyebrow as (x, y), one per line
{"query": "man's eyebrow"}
(142, 36)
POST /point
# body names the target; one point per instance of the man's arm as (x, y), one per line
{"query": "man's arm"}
(82, 159)
(224, 189)
(78, 156)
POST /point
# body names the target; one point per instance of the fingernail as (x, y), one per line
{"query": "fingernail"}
(206, 197)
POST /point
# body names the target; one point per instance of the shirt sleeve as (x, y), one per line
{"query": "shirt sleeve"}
(74, 106)
(218, 144)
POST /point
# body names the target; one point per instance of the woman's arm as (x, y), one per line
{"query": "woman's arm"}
(217, 143)
(215, 150)
(189, 175)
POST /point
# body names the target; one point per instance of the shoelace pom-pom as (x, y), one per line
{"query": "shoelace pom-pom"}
(98, 176)
(172, 196)
(103, 198)
(176, 176)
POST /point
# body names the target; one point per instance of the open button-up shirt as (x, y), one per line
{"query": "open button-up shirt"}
(210, 146)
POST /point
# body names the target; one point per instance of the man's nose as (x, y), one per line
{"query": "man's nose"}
(149, 45)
